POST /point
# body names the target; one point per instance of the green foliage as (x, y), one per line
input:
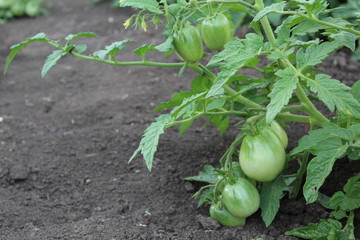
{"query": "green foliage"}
(342, 205)
(333, 93)
(208, 176)
(281, 93)
(111, 50)
(225, 92)
(270, 195)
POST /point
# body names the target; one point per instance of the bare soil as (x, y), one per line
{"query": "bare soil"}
(65, 141)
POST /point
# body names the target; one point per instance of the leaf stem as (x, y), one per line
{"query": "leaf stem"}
(211, 76)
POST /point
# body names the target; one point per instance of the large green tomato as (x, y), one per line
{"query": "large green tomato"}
(241, 198)
(262, 156)
(33, 8)
(18, 8)
(280, 132)
(219, 213)
(5, 3)
(216, 31)
(188, 43)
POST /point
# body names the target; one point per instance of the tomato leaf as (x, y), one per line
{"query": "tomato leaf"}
(222, 122)
(315, 54)
(80, 48)
(69, 38)
(270, 196)
(149, 5)
(326, 151)
(281, 93)
(273, 7)
(144, 49)
(15, 49)
(313, 6)
(166, 47)
(180, 110)
(112, 49)
(355, 90)
(248, 49)
(347, 39)
(208, 175)
(150, 139)
(205, 196)
(333, 93)
(316, 230)
(176, 100)
(309, 141)
(52, 60)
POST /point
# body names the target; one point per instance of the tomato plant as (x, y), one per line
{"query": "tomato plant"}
(216, 31)
(285, 89)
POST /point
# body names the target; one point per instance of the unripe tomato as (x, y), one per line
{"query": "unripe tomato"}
(18, 8)
(241, 198)
(280, 132)
(262, 156)
(219, 213)
(216, 31)
(33, 8)
(5, 3)
(188, 43)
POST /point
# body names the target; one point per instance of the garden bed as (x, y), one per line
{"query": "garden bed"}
(65, 141)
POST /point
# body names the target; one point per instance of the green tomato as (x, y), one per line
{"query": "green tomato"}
(33, 8)
(216, 31)
(262, 156)
(188, 43)
(5, 3)
(241, 198)
(18, 8)
(219, 213)
(280, 132)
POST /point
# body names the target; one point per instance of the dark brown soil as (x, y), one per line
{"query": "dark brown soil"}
(65, 141)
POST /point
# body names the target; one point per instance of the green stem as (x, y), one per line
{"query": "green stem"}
(300, 175)
(248, 5)
(289, 117)
(309, 106)
(138, 63)
(314, 19)
(292, 108)
(330, 24)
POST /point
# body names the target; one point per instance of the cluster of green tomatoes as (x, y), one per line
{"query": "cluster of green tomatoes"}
(17, 8)
(215, 31)
(261, 159)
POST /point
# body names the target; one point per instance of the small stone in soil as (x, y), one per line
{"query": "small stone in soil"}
(189, 187)
(207, 223)
(19, 172)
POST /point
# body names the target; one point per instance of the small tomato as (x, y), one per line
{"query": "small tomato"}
(219, 212)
